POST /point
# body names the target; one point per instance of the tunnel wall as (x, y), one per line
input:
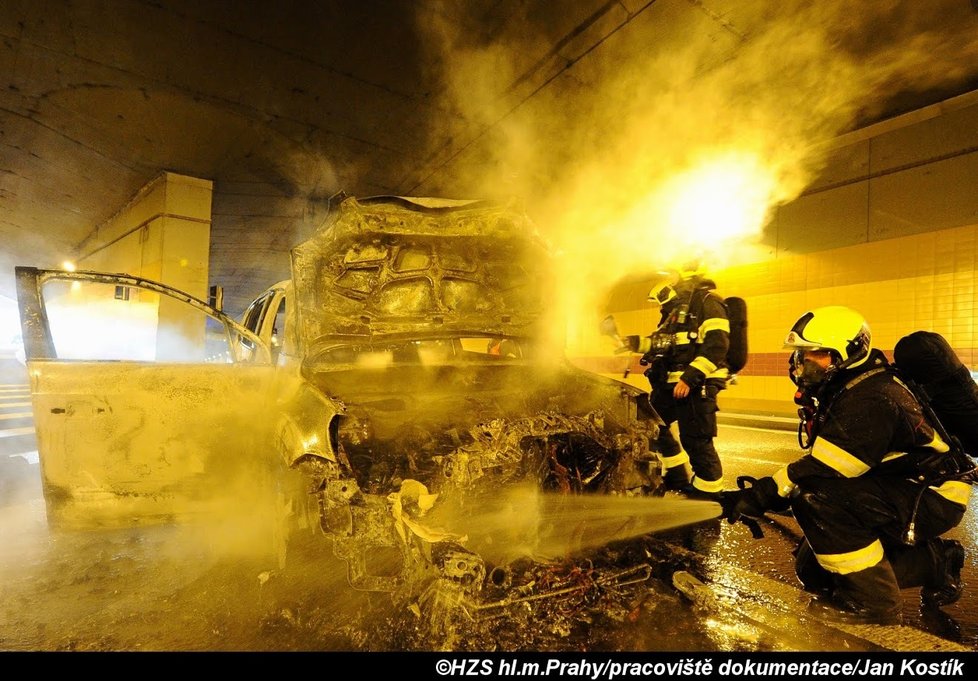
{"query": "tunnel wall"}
(888, 228)
(163, 234)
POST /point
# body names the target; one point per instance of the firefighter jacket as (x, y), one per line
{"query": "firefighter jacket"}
(869, 423)
(692, 339)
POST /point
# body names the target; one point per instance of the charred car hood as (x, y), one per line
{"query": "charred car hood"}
(415, 422)
(396, 266)
(449, 397)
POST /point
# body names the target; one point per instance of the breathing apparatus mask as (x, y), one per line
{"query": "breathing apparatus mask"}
(839, 331)
(808, 376)
(806, 373)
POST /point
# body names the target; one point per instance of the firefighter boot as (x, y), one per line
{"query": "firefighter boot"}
(676, 478)
(947, 587)
(869, 596)
(676, 475)
(813, 577)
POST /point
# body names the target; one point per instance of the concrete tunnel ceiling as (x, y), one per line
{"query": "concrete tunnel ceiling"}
(568, 105)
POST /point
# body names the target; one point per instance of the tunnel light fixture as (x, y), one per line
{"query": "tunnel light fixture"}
(68, 266)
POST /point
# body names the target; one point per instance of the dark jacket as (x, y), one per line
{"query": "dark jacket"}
(868, 423)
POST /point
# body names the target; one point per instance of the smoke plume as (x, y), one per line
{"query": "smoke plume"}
(602, 121)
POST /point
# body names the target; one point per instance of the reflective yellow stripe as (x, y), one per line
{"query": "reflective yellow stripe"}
(707, 485)
(838, 459)
(682, 338)
(714, 324)
(854, 561)
(680, 459)
(704, 365)
(892, 456)
(958, 492)
(938, 445)
(785, 486)
(644, 344)
(674, 376)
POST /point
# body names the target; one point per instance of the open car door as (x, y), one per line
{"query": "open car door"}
(150, 405)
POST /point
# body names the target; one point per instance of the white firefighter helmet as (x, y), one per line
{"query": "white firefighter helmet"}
(840, 330)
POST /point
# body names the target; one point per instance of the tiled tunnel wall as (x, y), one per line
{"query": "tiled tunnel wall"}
(924, 281)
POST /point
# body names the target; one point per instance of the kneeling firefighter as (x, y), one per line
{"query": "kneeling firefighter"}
(687, 368)
(865, 495)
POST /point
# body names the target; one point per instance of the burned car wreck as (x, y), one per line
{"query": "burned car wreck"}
(404, 386)
(430, 330)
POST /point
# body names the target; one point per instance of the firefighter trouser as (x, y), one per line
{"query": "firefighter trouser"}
(696, 417)
(854, 531)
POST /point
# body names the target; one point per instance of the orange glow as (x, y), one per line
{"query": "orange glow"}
(713, 208)
(722, 199)
(707, 211)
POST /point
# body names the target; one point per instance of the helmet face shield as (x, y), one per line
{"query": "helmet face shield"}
(795, 360)
(794, 366)
(662, 293)
(805, 372)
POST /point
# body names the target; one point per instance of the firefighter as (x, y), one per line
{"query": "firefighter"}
(686, 359)
(871, 526)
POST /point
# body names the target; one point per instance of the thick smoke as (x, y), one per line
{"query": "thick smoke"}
(599, 122)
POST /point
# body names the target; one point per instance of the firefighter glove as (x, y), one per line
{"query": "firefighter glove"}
(752, 499)
(629, 344)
